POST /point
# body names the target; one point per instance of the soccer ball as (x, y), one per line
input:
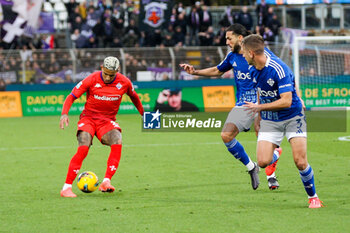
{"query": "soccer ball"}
(87, 182)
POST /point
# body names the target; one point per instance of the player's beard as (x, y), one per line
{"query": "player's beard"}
(236, 48)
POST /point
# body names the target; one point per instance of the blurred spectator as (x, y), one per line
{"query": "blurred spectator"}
(73, 14)
(82, 10)
(178, 36)
(270, 13)
(108, 32)
(116, 43)
(228, 18)
(2, 85)
(181, 21)
(77, 24)
(268, 35)
(130, 39)
(206, 38)
(245, 18)
(261, 12)
(70, 6)
(132, 26)
(173, 16)
(274, 24)
(92, 43)
(259, 30)
(206, 18)
(26, 54)
(194, 23)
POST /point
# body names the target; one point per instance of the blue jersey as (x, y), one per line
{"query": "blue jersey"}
(246, 90)
(245, 87)
(273, 80)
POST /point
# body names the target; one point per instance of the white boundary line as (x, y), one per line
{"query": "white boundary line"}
(344, 139)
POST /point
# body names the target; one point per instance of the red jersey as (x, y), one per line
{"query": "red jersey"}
(103, 99)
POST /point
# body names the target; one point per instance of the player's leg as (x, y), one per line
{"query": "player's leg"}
(270, 169)
(84, 140)
(237, 121)
(298, 145)
(112, 138)
(268, 152)
(296, 134)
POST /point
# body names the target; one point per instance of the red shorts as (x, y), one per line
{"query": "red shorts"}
(98, 127)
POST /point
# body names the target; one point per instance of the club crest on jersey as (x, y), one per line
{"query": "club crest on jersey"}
(154, 16)
(98, 85)
(270, 82)
(119, 86)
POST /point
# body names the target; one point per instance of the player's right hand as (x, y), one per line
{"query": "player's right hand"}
(64, 120)
(188, 68)
(163, 96)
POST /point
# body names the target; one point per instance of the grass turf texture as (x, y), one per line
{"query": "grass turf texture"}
(166, 182)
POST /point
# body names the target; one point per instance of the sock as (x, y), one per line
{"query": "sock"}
(65, 186)
(271, 176)
(104, 179)
(307, 177)
(113, 160)
(237, 150)
(75, 163)
(275, 157)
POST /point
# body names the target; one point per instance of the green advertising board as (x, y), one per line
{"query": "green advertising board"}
(40, 103)
(326, 95)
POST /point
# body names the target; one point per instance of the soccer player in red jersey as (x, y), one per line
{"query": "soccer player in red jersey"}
(104, 90)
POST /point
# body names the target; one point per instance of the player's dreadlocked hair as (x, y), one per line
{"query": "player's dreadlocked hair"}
(238, 29)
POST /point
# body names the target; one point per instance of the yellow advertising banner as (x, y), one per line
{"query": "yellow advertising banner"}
(10, 104)
(218, 98)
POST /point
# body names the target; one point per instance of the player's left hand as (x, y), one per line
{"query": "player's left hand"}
(252, 108)
(64, 120)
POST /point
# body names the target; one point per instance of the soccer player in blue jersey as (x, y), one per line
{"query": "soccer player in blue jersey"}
(238, 120)
(280, 110)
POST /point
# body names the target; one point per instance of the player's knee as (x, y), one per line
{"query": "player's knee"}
(263, 162)
(227, 137)
(84, 138)
(301, 163)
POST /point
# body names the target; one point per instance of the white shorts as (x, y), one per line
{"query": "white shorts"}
(241, 118)
(274, 132)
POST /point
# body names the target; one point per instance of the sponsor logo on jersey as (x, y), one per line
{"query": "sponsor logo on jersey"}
(234, 64)
(242, 76)
(119, 86)
(107, 98)
(79, 84)
(81, 125)
(267, 93)
(270, 82)
(98, 85)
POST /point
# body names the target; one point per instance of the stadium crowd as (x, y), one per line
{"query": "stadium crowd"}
(103, 25)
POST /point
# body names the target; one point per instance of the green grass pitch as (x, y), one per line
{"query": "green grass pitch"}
(166, 182)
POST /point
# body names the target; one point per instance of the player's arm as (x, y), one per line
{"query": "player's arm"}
(135, 99)
(64, 120)
(211, 71)
(284, 102)
(77, 91)
(257, 119)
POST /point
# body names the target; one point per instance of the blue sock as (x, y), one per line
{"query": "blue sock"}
(275, 157)
(307, 177)
(237, 150)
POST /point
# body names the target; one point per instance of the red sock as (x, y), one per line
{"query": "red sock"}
(75, 163)
(113, 160)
